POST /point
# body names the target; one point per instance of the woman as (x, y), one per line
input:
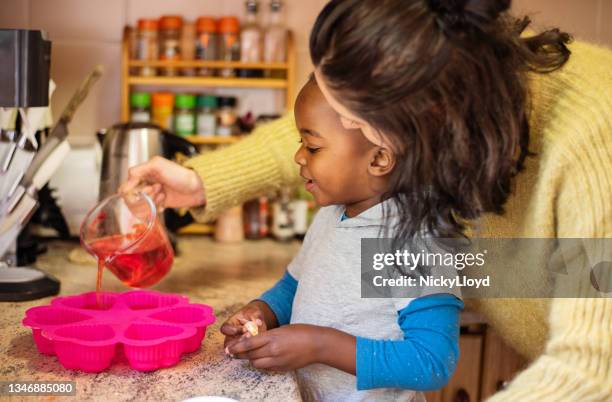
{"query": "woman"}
(498, 146)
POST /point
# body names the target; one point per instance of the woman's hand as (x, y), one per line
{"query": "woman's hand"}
(169, 184)
(285, 348)
(234, 328)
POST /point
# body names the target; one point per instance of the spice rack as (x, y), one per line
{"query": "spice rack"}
(285, 84)
(129, 81)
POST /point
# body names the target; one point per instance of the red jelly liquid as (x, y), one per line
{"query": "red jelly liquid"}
(140, 266)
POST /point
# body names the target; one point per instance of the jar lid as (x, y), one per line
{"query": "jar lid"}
(207, 101)
(228, 101)
(140, 99)
(184, 101)
(145, 24)
(171, 22)
(161, 99)
(206, 24)
(229, 25)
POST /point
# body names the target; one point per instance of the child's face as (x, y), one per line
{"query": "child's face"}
(333, 160)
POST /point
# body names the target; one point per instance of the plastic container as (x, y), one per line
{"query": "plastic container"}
(140, 107)
(229, 44)
(206, 44)
(153, 329)
(206, 118)
(170, 42)
(163, 106)
(184, 114)
(147, 46)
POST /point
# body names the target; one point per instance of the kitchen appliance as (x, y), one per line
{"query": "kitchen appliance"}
(26, 168)
(129, 144)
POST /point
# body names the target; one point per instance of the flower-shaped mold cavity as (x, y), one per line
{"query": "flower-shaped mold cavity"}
(155, 329)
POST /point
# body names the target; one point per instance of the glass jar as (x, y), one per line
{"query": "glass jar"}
(207, 115)
(146, 48)
(229, 44)
(251, 41)
(227, 116)
(170, 42)
(206, 44)
(188, 47)
(140, 107)
(275, 39)
(163, 103)
(184, 115)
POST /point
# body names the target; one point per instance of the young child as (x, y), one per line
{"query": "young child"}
(314, 320)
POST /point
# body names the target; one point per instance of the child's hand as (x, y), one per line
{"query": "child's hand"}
(234, 328)
(285, 348)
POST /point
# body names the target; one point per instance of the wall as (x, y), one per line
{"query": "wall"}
(88, 32)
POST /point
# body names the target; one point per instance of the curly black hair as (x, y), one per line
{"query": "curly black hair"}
(446, 81)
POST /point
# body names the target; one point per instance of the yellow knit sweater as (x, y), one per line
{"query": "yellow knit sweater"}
(565, 191)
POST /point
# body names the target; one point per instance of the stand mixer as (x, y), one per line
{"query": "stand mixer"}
(25, 167)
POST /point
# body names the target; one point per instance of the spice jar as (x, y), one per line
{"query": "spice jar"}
(206, 43)
(170, 42)
(206, 119)
(229, 43)
(140, 107)
(251, 40)
(188, 47)
(227, 116)
(146, 48)
(184, 114)
(163, 103)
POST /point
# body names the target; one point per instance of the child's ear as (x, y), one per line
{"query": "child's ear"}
(382, 163)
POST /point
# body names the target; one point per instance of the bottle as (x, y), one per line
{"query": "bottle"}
(207, 115)
(170, 42)
(227, 116)
(275, 39)
(282, 224)
(229, 44)
(184, 115)
(140, 107)
(188, 47)
(251, 41)
(163, 103)
(206, 44)
(256, 218)
(146, 48)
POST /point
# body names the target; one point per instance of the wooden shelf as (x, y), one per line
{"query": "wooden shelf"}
(209, 64)
(273, 83)
(197, 229)
(200, 140)
(129, 80)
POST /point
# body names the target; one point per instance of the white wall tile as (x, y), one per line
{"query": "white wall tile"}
(79, 19)
(70, 64)
(14, 14)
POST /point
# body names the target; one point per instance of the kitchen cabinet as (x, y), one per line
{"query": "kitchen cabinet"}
(485, 365)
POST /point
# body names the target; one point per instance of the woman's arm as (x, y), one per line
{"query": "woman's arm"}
(260, 163)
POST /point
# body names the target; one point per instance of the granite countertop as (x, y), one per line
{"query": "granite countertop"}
(225, 276)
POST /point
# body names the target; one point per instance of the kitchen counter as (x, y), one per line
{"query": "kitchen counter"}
(223, 276)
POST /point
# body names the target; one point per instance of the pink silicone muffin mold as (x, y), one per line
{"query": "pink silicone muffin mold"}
(153, 329)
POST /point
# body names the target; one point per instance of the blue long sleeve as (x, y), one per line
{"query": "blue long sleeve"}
(280, 298)
(426, 358)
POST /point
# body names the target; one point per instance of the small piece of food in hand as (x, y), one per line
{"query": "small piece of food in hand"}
(251, 327)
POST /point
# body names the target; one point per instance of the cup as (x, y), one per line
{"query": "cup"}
(125, 234)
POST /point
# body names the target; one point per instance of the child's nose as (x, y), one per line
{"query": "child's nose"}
(299, 157)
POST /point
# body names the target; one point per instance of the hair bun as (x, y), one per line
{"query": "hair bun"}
(460, 15)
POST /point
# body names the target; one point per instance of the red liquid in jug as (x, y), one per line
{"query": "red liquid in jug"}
(142, 265)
